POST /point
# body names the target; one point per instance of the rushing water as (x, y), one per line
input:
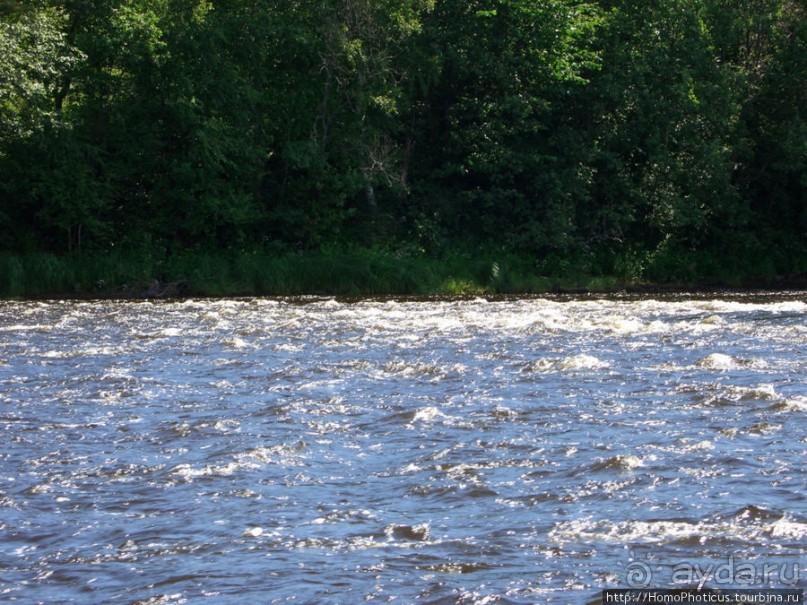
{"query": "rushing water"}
(471, 451)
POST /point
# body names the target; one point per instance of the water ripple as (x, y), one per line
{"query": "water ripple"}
(446, 451)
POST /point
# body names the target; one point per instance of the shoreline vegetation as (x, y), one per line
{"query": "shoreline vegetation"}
(159, 149)
(349, 273)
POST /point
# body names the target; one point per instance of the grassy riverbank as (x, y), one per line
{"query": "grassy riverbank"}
(360, 272)
(426, 147)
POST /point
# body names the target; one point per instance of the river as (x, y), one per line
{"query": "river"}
(514, 450)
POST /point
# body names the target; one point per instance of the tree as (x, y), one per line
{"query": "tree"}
(36, 58)
(765, 45)
(666, 115)
(506, 70)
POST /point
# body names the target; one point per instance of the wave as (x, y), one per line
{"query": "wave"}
(415, 533)
(623, 462)
(798, 403)
(565, 364)
(255, 458)
(717, 361)
(723, 362)
(747, 526)
(430, 371)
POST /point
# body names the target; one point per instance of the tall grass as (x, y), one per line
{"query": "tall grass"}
(44, 275)
(354, 272)
(345, 273)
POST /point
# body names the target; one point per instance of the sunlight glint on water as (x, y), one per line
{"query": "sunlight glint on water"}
(456, 451)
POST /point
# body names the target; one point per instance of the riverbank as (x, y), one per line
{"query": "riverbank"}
(343, 273)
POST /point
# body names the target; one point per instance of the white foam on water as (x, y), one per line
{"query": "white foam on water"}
(788, 529)
(93, 351)
(350, 515)
(581, 362)
(623, 325)
(255, 458)
(731, 306)
(286, 455)
(414, 370)
(331, 303)
(658, 327)
(237, 343)
(429, 414)
(443, 324)
(763, 391)
(503, 412)
(798, 403)
(793, 306)
(651, 532)
(188, 473)
(340, 366)
(288, 348)
(58, 354)
(688, 446)
(717, 361)
(211, 316)
(227, 426)
(572, 363)
(587, 530)
(622, 462)
(27, 328)
(764, 428)
(166, 599)
(163, 333)
(541, 365)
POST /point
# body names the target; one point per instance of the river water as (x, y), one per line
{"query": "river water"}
(528, 450)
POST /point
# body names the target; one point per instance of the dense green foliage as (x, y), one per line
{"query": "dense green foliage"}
(664, 141)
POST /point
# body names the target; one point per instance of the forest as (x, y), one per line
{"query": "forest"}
(400, 146)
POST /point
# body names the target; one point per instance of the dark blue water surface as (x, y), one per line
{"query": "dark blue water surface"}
(466, 451)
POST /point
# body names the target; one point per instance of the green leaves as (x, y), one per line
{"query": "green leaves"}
(36, 58)
(557, 128)
(509, 69)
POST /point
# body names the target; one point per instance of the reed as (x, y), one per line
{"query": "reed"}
(12, 276)
(351, 272)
